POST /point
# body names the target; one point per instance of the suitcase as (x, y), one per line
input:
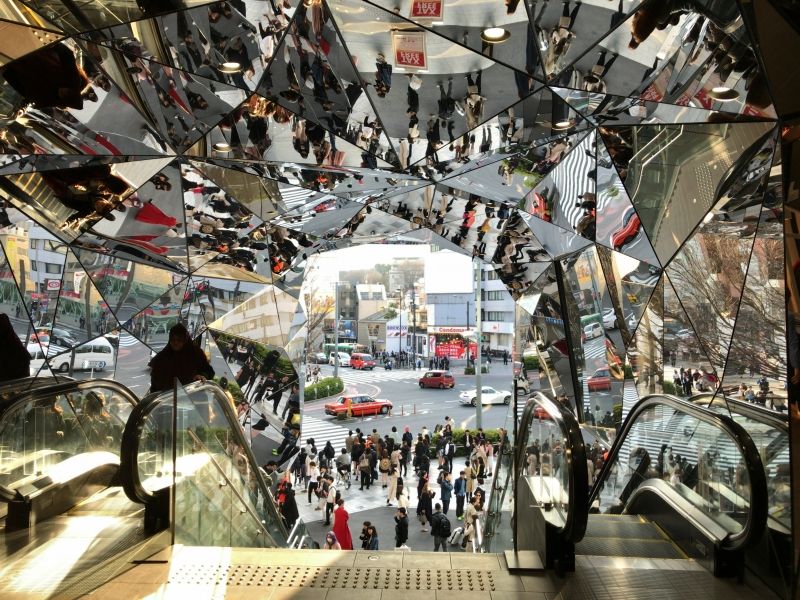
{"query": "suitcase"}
(456, 536)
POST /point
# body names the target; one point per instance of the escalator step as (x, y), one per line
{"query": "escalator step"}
(601, 526)
(612, 546)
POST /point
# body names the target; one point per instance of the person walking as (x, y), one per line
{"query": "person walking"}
(330, 499)
(424, 507)
(400, 528)
(440, 529)
(460, 491)
(340, 527)
(371, 541)
(392, 493)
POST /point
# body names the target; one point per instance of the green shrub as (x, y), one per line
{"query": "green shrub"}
(531, 362)
(628, 372)
(471, 370)
(328, 386)
(458, 439)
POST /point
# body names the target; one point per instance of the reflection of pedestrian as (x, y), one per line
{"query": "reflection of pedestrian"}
(16, 360)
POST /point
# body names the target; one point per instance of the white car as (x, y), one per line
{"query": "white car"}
(488, 396)
(344, 359)
(684, 334)
(609, 319)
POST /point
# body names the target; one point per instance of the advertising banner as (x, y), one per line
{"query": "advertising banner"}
(409, 50)
(422, 10)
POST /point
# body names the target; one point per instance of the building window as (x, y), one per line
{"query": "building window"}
(493, 275)
(52, 245)
(364, 295)
(34, 266)
(377, 296)
(495, 295)
(495, 315)
(52, 268)
(33, 244)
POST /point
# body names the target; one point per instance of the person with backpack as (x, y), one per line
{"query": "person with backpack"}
(328, 454)
(383, 466)
(440, 529)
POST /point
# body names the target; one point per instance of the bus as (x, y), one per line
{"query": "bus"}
(348, 347)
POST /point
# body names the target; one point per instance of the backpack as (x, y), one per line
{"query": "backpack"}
(385, 465)
(444, 526)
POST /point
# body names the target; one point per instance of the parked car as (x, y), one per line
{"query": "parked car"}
(362, 361)
(344, 359)
(600, 380)
(684, 334)
(317, 358)
(609, 319)
(358, 406)
(488, 396)
(437, 379)
(540, 413)
(523, 386)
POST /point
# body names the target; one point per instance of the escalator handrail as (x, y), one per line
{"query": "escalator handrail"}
(62, 387)
(575, 461)
(755, 412)
(757, 516)
(129, 471)
(25, 385)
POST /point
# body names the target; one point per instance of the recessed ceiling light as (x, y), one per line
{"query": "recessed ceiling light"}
(230, 67)
(222, 147)
(495, 35)
(723, 94)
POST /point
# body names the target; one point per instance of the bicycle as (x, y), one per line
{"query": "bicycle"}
(343, 479)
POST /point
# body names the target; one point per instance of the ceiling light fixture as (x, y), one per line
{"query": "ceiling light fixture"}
(495, 35)
(230, 67)
(723, 94)
(562, 124)
(222, 147)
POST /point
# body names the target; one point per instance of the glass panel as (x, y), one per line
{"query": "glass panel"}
(697, 460)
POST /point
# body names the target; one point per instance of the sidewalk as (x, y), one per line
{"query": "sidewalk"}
(370, 505)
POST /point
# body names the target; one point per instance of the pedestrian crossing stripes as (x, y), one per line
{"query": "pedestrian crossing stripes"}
(323, 431)
(569, 181)
(594, 350)
(126, 340)
(357, 376)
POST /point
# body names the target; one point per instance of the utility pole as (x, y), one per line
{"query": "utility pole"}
(400, 326)
(414, 330)
(479, 399)
(336, 331)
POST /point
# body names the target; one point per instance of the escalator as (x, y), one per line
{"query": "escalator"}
(770, 557)
(221, 497)
(62, 509)
(680, 481)
(93, 479)
(553, 488)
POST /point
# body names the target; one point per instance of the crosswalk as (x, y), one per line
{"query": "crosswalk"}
(323, 431)
(354, 376)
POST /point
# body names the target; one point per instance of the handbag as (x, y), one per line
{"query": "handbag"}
(415, 83)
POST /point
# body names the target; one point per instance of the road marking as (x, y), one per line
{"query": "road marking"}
(138, 376)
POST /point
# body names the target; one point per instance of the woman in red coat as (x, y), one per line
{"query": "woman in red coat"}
(340, 527)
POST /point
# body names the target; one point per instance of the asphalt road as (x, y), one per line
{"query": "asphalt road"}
(415, 407)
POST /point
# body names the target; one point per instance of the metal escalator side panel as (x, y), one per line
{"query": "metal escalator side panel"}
(562, 427)
(655, 420)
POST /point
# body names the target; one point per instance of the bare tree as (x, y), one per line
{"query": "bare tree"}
(318, 306)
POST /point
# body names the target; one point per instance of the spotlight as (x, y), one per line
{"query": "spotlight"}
(230, 67)
(222, 147)
(495, 35)
(723, 94)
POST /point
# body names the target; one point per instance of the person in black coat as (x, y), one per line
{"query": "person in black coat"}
(401, 527)
(288, 504)
(16, 360)
(181, 358)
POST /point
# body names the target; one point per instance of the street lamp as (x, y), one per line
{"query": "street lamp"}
(478, 325)
(336, 330)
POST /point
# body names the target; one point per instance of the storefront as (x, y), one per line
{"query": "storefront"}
(452, 342)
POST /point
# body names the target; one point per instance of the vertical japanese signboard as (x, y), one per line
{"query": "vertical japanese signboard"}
(409, 50)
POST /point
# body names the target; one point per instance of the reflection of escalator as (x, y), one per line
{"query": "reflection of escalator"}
(63, 512)
(770, 558)
(679, 481)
